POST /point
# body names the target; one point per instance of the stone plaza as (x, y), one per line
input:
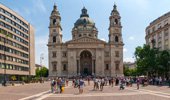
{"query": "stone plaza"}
(40, 91)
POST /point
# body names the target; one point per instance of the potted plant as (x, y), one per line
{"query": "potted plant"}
(14, 79)
(23, 80)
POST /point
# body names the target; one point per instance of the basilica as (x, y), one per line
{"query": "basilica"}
(85, 54)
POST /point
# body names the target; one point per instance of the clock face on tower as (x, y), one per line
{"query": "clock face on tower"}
(116, 30)
(54, 30)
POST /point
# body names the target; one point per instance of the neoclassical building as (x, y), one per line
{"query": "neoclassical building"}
(85, 54)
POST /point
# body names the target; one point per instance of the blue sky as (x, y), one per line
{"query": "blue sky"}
(135, 17)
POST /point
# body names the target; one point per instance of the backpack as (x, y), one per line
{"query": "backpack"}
(53, 83)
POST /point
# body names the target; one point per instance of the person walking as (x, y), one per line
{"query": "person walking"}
(121, 85)
(88, 80)
(101, 84)
(131, 82)
(160, 81)
(52, 85)
(112, 81)
(138, 83)
(169, 81)
(106, 79)
(60, 84)
(81, 86)
(67, 82)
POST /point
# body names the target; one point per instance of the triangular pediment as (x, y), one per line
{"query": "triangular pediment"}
(86, 39)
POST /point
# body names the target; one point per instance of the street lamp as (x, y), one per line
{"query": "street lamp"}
(41, 58)
(5, 59)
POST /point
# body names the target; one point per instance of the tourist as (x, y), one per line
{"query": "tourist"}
(112, 81)
(138, 83)
(106, 79)
(131, 82)
(127, 82)
(153, 81)
(67, 82)
(160, 81)
(95, 83)
(81, 86)
(88, 80)
(60, 84)
(101, 84)
(52, 85)
(169, 81)
(156, 79)
(98, 83)
(121, 85)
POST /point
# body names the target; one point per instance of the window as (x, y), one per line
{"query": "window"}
(115, 22)
(54, 22)
(160, 35)
(159, 26)
(149, 40)
(107, 66)
(2, 10)
(159, 44)
(117, 66)
(2, 17)
(117, 53)
(54, 67)
(79, 35)
(166, 42)
(153, 29)
(89, 34)
(54, 39)
(116, 39)
(166, 23)
(166, 32)
(54, 54)
(64, 67)
(106, 54)
(64, 54)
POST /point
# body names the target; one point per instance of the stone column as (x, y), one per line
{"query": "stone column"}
(79, 67)
(92, 67)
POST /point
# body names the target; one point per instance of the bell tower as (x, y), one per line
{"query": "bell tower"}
(55, 29)
(115, 28)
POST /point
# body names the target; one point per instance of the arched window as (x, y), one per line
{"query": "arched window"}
(54, 67)
(64, 67)
(115, 22)
(79, 35)
(116, 39)
(54, 39)
(54, 22)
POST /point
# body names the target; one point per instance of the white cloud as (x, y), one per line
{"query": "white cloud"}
(125, 50)
(129, 59)
(103, 39)
(40, 5)
(131, 38)
(41, 48)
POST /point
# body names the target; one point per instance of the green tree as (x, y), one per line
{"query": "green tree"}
(44, 72)
(37, 71)
(146, 59)
(126, 70)
(164, 62)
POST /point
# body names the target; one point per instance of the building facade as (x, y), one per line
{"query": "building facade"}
(85, 54)
(130, 65)
(157, 33)
(17, 45)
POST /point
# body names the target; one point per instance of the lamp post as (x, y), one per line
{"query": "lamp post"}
(5, 59)
(41, 58)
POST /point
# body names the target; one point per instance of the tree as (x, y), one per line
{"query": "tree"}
(146, 59)
(164, 62)
(37, 71)
(126, 70)
(42, 72)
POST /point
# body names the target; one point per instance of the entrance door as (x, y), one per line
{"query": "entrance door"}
(86, 71)
(85, 63)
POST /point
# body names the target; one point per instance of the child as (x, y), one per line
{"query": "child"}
(121, 86)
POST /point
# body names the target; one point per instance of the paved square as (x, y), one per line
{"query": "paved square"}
(39, 91)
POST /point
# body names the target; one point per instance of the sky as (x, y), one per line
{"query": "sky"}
(136, 15)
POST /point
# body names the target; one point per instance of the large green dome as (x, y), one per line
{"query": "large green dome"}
(84, 20)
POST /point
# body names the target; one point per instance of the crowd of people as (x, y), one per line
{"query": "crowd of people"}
(58, 84)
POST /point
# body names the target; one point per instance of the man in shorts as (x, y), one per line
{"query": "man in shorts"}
(81, 86)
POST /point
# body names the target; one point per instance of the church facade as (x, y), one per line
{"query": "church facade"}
(85, 54)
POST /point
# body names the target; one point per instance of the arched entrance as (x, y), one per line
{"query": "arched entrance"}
(86, 63)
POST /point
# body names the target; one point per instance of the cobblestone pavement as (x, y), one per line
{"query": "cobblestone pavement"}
(42, 92)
